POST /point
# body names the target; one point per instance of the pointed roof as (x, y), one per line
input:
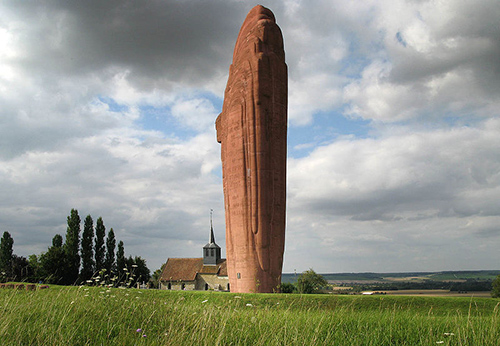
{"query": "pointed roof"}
(211, 242)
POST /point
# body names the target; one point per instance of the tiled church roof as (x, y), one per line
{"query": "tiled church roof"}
(185, 269)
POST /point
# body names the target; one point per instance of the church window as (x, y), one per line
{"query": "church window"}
(211, 252)
(206, 253)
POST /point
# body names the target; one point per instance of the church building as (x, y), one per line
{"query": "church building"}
(206, 273)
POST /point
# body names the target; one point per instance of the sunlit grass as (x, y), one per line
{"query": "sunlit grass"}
(113, 316)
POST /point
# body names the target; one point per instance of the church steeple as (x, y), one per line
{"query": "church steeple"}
(211, 251)
(212, 237)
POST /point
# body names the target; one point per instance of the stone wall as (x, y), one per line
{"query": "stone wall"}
(217, 283)
(179, 285)
(214, 282)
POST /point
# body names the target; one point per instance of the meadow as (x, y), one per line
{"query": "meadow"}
(111, 316)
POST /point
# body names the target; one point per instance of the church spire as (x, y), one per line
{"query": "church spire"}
(212, 237)
(211, 251)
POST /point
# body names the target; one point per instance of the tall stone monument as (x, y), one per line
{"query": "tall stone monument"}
(252, 130)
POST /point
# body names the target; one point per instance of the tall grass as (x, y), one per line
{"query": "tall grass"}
(101, 316)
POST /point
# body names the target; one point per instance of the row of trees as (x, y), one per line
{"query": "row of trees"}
(91, 260)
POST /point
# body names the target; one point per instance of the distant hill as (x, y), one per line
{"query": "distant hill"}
(402, 277)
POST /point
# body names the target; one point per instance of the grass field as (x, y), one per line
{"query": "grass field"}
(102, 316)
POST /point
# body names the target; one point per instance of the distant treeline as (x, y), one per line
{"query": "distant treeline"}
(469, 285)
(382, 277)
(480, 280)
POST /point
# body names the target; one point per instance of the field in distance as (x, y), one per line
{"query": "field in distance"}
(447, 283)
(404, 276)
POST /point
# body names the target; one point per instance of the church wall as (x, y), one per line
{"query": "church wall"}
(177, 285)
(213, 282)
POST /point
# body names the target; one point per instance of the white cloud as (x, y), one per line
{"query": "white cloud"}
(428, 65)
(416, 191)
(196, 113)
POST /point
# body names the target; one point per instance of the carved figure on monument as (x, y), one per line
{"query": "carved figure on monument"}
(252, 130)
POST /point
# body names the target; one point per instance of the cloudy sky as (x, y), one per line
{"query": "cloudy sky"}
(108, 107)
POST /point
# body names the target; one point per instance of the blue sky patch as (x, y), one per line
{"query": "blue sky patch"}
(113, 105)
(326, 128)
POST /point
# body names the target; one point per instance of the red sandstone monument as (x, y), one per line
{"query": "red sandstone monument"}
(252, 130)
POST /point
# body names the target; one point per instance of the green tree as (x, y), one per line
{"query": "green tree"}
(154, 282)
(57, 241)
(495, 293)
(21, 269)
(53, 261)
(120, 262)
(36, 269)
(310, 282)
(287, 287)
(72, 248)
(100, 250)
(87, 249)
(6, 253)
(139, 272)
(109, 262)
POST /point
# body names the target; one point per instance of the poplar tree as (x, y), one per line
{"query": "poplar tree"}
(87, 249)
(100, 250)
(71, 248)
(6, 254)
(57, 241)
(110, 252)
(120, 260)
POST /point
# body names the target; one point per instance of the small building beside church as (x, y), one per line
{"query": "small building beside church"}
(205, 273)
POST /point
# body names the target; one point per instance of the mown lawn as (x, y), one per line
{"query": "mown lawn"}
(110, 316)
